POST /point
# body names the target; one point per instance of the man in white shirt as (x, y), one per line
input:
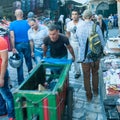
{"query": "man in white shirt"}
(36, 34)
(71, 34)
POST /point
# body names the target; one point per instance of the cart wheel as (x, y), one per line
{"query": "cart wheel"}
(69, 102)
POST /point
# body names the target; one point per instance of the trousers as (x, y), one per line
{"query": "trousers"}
(91, 70)
(24, 51)
(76, 49)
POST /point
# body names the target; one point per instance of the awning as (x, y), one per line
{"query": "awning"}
(75, 2)
(80, 1)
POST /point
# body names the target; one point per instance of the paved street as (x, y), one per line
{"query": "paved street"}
(82, 110)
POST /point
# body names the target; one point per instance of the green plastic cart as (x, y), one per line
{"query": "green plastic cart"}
(45, 95)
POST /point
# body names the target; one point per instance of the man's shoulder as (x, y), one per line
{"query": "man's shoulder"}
(18, 22)
(30, 30)
(70, 26)
(82, 24)
(80, 21)
(43, 28)
(63, 37)
(70, 23)
(47, 38)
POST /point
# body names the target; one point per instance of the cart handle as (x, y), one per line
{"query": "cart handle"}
(57, 61)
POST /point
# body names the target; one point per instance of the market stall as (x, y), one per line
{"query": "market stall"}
(110, 79)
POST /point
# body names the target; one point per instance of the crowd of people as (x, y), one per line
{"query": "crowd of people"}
(33, 39)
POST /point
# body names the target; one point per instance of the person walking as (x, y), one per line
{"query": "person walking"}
(6, 98)
(102, 24)
(30, 15)
(58, 44)
(36, 34)
(72, 26)
(20, 43)
(89, 66)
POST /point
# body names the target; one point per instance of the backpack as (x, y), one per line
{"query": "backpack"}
(94, 44)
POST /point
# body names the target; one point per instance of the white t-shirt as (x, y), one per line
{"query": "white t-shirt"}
(111, 18)
(71, 27)
(67, 20)
(38, 36)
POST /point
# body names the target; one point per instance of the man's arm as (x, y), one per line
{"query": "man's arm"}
(68, 34)
(4, 57)
(12, 39)
(69, 47)
(32, 47)
(44, 47)
(68, 30)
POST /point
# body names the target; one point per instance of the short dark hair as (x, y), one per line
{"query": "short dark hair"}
(76, 10)
(52, 27)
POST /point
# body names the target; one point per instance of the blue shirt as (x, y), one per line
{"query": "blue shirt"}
(20, 28)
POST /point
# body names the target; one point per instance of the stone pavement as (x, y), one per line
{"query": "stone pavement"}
(82, 110)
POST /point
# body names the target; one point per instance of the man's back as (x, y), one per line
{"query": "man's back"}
(20, 28)
(20, 43)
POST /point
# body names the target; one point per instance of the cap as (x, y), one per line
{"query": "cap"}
(30, 15)
(87, 14)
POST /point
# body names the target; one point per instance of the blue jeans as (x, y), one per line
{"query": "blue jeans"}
(6, 98)
(107, 32)
(38, 55)
(24, 50)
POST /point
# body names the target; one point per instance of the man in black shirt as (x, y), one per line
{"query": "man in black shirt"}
(58, 44)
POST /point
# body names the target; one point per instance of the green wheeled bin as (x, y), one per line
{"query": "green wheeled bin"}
(42, 96)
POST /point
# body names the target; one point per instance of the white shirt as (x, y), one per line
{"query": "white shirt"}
(71, 27)
(67, 20)
(38, 36)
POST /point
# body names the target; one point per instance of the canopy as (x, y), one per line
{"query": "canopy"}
(80, 1)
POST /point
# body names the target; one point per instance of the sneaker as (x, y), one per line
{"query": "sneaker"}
(77, 76)
(89, 99)
(95, 93)
(11, 118)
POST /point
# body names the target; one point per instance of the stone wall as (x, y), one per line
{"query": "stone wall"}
(105, 7)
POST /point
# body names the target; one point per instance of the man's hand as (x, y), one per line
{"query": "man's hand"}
(1, 82)
(14, 51)
(73, 59)
(32, 54)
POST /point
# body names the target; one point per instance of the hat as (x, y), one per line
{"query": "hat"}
(87, 14)
(30, 15)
